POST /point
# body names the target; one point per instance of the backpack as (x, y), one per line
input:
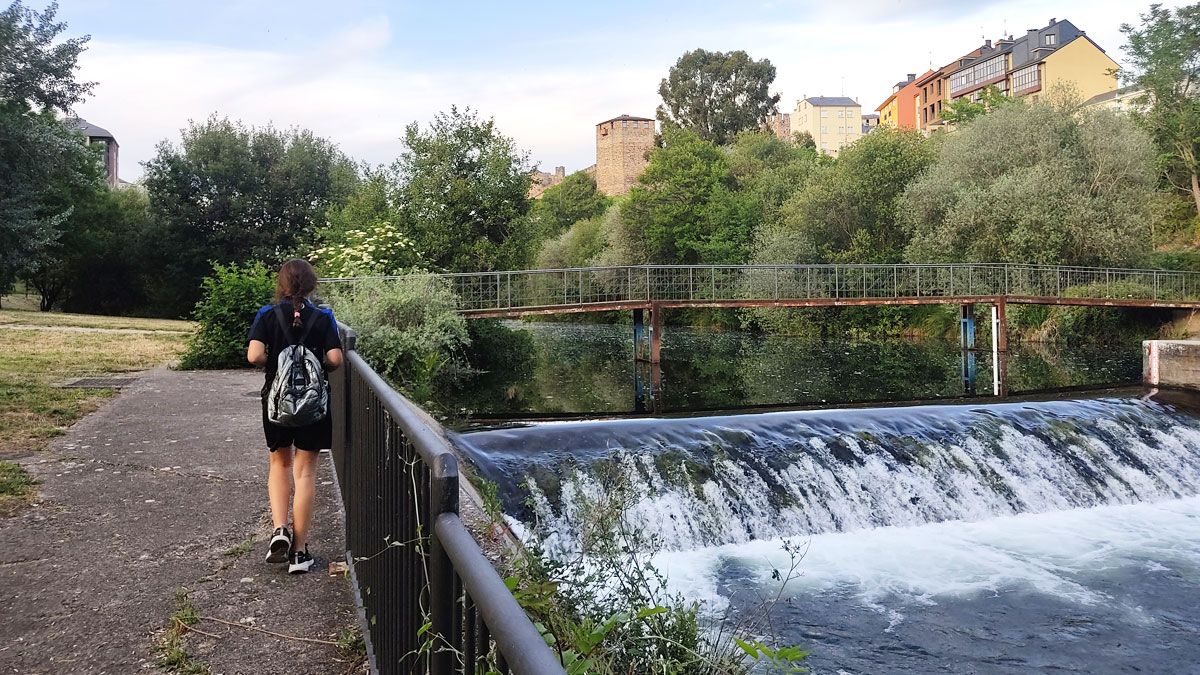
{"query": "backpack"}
(299, 394)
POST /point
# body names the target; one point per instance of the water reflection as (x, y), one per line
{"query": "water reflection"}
(582, 369)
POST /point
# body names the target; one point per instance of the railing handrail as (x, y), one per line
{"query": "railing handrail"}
(388, 507)
(733, 266)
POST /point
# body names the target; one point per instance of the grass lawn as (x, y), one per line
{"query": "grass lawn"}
(33, 410)
(33, 318)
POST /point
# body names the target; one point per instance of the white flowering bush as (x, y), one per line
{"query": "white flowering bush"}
(378, 249)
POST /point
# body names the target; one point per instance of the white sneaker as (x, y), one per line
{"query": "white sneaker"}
(280, 546)
(300, 562)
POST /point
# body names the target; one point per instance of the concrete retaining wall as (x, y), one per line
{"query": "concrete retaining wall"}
(1171, 363)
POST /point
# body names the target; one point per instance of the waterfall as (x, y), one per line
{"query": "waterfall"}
(722, 480)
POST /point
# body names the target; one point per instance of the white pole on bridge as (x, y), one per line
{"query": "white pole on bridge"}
(995, 350)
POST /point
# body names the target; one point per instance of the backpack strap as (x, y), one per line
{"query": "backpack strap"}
(284, 325)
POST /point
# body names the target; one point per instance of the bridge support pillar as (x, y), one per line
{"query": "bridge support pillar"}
(999, 349)
(967, 335)
(656, 329)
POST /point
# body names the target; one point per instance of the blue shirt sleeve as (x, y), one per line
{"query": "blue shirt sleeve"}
(258, 328)
(332, 337)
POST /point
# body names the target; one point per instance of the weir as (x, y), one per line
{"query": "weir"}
(721, 480)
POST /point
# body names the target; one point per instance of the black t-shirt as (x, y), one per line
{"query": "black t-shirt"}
(321, 338)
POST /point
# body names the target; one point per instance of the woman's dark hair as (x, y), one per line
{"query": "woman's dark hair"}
(296, 281)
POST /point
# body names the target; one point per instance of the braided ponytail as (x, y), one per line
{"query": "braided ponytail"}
(296, 281)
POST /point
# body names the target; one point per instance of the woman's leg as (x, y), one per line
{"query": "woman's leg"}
(304, 469)
(279, 484)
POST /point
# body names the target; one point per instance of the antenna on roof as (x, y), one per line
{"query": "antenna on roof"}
(843, 85)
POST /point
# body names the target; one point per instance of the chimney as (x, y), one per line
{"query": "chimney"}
(912, 76)
(1053, 21)
(987, 44)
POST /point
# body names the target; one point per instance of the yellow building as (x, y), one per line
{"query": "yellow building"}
(833, 121)
(887, 112)
(1056, 57)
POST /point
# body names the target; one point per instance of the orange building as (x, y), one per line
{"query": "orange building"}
(899, 111)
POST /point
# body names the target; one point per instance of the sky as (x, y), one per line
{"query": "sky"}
(358, 71)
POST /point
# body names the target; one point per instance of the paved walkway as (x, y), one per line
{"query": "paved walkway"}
(151, 494)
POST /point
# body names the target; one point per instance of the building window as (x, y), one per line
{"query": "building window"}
(824, 113)
(1051, 39)
(978, 73)
(824, 129)
(1025, 78)
(939, 88)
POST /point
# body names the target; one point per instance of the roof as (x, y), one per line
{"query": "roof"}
(831, 100)
(886, 101)
(90, 130)
(870, 116)
(626, 118)
(1131, 90)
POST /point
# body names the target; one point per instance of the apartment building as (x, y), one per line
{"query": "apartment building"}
(833, 121)
(899, 110)
(933, 90)
(1058, 55)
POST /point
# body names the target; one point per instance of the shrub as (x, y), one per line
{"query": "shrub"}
(231, 295)
(409, 329)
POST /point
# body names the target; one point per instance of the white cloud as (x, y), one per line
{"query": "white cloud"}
(350, 88)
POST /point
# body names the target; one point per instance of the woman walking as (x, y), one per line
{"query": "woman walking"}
(293, 320)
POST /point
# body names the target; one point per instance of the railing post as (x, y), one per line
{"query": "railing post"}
(837, 286)
(443, 498)
(691, 283)
(498, 290)
(1155, 274)
(647, 284)
(776, 282)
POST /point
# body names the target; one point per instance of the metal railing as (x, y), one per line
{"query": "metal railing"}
(428, 598)
(498, 292)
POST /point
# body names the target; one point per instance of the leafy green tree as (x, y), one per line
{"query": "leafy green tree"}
(464, 188)
(104, 264)
(1039, 183)
(770, 170)
(230, 193)
(847, 211)
(1164, 52)
(963, 110)
(228, 300)
(717, 94)
(40, 159)
(573, 200)
(578, 245)
(368, 234)
(685, 207)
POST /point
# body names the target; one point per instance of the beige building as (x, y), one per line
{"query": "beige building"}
(833, 121)
(622, 146)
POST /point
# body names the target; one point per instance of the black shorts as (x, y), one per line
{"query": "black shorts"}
(313, 437)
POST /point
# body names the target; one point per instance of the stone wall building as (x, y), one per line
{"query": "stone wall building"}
(542, 180)
(779, 124)
(622, 146)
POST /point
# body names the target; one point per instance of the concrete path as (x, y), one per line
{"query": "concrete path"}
(151, 494)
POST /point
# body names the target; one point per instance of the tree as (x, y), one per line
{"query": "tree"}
(105, 257)
(464, 188)
(573, 200)
(40, 159)
(1038, 183)
(769, 170)
(1164, 52)
(685, 207)
(368, 234)
(233, 194)
(965, 109)
(847, 211)
(717, 94)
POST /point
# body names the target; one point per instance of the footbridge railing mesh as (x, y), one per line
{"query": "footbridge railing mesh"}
(523, 290)
(429, 600)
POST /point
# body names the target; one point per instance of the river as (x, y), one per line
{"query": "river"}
(970, 536)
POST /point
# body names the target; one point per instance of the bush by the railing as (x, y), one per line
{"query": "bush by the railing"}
(606, 610)
(409, 329)
(230, 297)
